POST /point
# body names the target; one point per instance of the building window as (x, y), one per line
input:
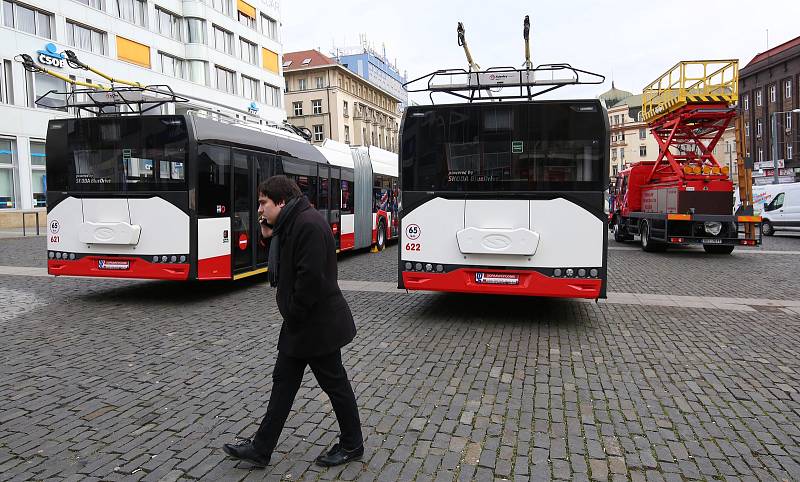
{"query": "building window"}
(642, 151)
(195, 30)
(746, 101)
(27, 19)
(6, 88)
(250, 88)
(789, 150)
(347, 134)
(269, 27)
(345, 109)
(301, 84)
(621, 154)
(758, 98)
(298, 108)
(320, 82)
(318, 134)
(247, 20)
(86, 38)
(248, 51)
(168, 24)
(172, 66)
(198, 71)
(134, 11)
(760, 155)
(787, 89)
(38, 162)
(747, 129)
(772, 93)
(223, 40)
(98, 4)
(43, 84)
(7, 153)
(788, 121)
(642, 134)
(226, 80)
(272, 95)
(758, 128)
(316, 106)
(224, 6)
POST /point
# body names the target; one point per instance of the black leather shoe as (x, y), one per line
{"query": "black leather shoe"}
(246, 450)
(338, 456)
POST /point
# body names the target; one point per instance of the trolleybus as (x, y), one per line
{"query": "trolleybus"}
(174, 196)
(504, 194)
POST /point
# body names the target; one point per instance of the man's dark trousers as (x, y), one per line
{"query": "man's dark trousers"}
(332, 378)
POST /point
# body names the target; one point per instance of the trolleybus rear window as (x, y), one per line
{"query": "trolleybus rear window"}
(142, 153)
(513, 147)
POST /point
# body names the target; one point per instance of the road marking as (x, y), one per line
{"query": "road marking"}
(738, 250)
(791, 307)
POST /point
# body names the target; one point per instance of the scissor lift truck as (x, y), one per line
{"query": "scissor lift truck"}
(685, 196)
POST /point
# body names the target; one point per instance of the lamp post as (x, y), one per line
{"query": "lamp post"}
(774, 128)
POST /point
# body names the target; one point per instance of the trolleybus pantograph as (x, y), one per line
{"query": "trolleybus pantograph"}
(133, 195)
(504, 193)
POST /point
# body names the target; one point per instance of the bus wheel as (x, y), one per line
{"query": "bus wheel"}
(380, 238)
(718, 249)
(648, 244)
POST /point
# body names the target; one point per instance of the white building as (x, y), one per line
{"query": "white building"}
(224, 55)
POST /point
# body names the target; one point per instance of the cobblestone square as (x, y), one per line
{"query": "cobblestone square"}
(689, 371)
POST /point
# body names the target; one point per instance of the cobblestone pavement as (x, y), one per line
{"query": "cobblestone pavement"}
(132, 380)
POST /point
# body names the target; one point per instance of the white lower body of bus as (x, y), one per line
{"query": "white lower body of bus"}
(533, 247)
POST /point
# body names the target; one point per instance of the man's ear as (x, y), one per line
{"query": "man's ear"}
(281, 204)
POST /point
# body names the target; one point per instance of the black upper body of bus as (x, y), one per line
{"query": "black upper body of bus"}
(529, 149)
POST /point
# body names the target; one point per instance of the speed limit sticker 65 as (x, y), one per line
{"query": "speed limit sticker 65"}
(413, 231)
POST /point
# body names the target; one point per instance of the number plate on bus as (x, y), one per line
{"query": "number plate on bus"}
(712, 241)
(113, 264)
(497, 278)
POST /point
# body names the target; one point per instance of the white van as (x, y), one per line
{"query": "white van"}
(783, 211)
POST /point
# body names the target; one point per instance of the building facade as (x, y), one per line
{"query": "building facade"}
(376, 69)
(223, 55)
(333, 102)
(768, 93)
(631, 140)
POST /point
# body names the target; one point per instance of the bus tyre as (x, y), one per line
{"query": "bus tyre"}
(648, 244)
(766, 228)
(380, 237)
(718, 249)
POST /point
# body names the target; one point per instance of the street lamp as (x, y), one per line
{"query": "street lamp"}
(774, 128)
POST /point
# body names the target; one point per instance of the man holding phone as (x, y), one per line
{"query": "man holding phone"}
(317, 322)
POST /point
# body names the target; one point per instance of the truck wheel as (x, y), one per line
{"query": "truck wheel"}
(766, 228)
(718, 249)
(380, 237)
(648, 244)
(620, 235)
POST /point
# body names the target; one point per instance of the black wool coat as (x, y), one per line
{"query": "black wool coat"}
(316, 318)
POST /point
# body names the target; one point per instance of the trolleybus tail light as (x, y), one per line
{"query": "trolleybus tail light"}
(570, 272)
(418, 266)
(581, 272)
(593, 272)
(675, 240)
(557, 272)
(409, 266)
(439, 268)
(428, 267)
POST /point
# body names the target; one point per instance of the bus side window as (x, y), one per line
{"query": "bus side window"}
(213, 180)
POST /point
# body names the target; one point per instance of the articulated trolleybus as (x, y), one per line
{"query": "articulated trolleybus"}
(504, 197)
(174, 197)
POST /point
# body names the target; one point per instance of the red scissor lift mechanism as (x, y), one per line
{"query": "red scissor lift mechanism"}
(686, 139)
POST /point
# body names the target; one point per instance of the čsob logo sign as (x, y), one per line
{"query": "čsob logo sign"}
(252, 108)
(50, 56)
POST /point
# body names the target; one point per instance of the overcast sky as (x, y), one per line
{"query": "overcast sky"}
(631, 41)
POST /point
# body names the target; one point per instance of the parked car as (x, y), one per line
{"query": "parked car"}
(783, 211)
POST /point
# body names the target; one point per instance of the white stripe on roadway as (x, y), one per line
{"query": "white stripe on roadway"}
(738, 250)
(791, 307)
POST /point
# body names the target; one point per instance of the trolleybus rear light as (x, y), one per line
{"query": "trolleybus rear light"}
(51, 254)
(183, 259)
(71, 256)
(581, 272)
(428, 267)
(570, 272)
(418, 266)
(173, 258)
(557, 272)
(675, 240)
(163, 259)
(409, 266)
(593, 272)
(439, 268)
(155, 259)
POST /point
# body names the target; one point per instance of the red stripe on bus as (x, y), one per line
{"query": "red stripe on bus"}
(218, 267)
(347, 241)
(138, 268)
(531, 283)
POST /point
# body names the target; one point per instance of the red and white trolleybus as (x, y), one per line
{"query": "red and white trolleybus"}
(174, 196)
(505, 194)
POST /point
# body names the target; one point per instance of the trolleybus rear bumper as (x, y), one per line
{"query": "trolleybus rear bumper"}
(137, 268)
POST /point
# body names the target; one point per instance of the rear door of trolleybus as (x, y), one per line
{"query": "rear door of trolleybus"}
(118, 202)
(505, 198)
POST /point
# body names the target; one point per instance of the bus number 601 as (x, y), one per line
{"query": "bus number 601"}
(413, 247)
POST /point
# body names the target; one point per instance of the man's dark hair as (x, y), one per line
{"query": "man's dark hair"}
(279, 189)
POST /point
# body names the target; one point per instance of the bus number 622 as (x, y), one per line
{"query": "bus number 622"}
(413, 247)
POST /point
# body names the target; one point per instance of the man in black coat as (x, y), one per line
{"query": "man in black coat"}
(317, 322)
